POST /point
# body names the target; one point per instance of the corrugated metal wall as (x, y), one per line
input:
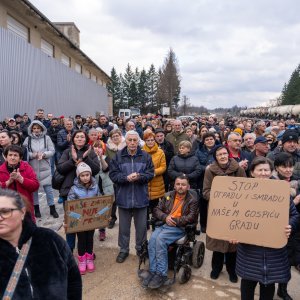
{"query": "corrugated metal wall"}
(29, 80)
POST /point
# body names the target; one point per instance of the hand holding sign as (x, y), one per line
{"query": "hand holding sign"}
(248, 210)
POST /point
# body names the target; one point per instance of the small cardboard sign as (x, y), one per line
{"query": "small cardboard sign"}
(249, 210)
(88, 213)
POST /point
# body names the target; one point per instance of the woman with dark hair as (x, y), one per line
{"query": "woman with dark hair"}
(222, 166)
(264, 265)
(205, 157)
(18, 175)
(197, 143)
(168, 127)
(49, 270)
(283, 170)
(5, 140)
(71, 157)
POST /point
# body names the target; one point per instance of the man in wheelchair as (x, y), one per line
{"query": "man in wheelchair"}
(176, 210)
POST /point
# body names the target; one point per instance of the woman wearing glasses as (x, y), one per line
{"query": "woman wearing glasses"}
(18, 175)
(49, 269)
(222, 166)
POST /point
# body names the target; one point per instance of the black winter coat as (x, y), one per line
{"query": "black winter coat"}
(266, 265)
(188, 165)
(66, 166)
(50, 271)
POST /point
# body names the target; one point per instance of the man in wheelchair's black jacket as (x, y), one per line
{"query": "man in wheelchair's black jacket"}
(177, 209)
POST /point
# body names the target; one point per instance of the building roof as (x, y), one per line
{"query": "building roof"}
(55, 30)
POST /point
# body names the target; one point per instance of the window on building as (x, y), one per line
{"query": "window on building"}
(17, 28)
(66, 60)
(87, 73)
(47, 48)
(78, 68)
(93, 78)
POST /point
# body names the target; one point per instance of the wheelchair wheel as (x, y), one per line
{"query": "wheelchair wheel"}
(184, 274)
(198, 254)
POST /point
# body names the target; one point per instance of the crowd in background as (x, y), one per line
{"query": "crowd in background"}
(199, 149)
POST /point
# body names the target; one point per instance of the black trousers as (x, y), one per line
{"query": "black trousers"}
(152, 204)
(114, 211)
(203, 208)
(266, 292)
(218, 261)
(85, 242)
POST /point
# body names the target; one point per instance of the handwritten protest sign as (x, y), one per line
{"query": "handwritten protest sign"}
(252, 211)
(87, 213)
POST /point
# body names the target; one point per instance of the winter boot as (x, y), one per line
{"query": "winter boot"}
(37, 212)
(282, 292)
(82, 264)
(90, 266)
(53, 212)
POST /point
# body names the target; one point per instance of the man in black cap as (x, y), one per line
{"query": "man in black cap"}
(79, 124)
(289, 144)
(261, 148)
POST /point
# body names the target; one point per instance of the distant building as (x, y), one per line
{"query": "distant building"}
(42, 66)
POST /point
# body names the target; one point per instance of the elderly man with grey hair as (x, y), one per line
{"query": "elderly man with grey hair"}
(235, 150)
(131, 170)
(249, 139)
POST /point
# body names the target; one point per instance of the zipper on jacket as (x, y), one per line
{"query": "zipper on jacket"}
(132, 198)
(31, 288)
(265, 268)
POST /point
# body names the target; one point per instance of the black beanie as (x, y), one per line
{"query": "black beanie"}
(290, 135)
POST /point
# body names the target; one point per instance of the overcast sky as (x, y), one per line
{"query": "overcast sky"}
(230, 52)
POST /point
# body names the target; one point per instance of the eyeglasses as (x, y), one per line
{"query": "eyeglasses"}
(6, 213)
(150, 140)
(132, 140)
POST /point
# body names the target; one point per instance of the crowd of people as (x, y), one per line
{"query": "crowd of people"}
(149, 163)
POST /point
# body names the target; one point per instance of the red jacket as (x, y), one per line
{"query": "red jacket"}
(29, 185)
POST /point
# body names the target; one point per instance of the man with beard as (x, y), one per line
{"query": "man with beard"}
(79, 124)
(176, 209)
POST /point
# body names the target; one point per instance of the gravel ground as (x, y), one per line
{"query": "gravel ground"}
(120, 281)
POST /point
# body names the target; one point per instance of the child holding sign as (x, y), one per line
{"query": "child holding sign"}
(85, 186)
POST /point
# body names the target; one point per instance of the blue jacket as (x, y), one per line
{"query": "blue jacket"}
(78, 191)
(266, 265)
(131, 194)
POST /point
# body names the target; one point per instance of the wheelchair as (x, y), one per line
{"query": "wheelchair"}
(182, 254)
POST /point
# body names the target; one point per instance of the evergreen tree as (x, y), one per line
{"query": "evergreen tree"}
(143, 93)
(127, 86)
(291, 91)
(169, 83)
(152, 82)
(114, 88)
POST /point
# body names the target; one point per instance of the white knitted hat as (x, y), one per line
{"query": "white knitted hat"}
(83, 167)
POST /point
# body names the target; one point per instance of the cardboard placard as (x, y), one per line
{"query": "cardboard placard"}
(249, 210)
(88, 213)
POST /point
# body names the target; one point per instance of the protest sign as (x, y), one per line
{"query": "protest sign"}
(249, 210)
(87, 213)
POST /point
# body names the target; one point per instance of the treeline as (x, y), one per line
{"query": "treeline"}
(149, 90)
(291, 90)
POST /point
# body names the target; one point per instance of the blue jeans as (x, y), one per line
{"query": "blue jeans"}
(160, 239)
(49, 195)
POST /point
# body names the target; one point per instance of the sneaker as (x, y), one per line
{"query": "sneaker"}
(111, 224)
(102, 236)
(121, 257)
(233, 278)
(82, 264)
(147, 278)
(90, 266)
(214, 275)
(60, 200)
(157, 281)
